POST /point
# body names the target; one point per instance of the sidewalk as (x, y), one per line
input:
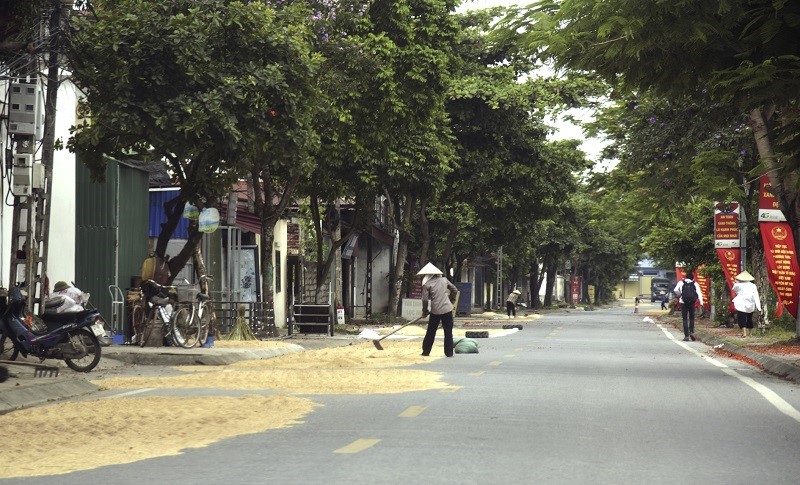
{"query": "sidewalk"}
(23, 390)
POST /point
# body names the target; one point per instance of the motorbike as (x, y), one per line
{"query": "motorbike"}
(73, 337)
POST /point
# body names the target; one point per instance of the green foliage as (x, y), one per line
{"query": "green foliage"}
(201, 85)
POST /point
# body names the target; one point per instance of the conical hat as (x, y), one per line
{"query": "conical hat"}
(429, 269)
(744, 276)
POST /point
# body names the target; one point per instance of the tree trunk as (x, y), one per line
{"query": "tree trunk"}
(552, 266)
(337, 257)
(396, 275)
(201, 271)
(426, 233)
(535, 284)
(448, 246)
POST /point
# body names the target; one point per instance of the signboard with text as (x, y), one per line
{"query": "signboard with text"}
(726, 225)
(782, 266)
(768, 207)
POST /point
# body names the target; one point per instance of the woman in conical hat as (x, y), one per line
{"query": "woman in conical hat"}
(746, 301)
(427, 271)
(511, 303)
(437, 293)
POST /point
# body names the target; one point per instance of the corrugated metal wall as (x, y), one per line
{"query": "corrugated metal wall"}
(111, 232)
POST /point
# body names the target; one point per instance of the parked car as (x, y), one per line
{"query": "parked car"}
(660, 287)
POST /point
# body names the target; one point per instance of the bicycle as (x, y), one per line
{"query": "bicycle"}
(195, 326)
(157, 306)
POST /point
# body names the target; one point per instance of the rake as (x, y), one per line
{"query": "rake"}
(39, 370)
(377, 342)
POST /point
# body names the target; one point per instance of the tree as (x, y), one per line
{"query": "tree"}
(217, 90)
(743, 52)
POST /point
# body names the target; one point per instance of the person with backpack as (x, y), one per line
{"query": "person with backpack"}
(688, 292)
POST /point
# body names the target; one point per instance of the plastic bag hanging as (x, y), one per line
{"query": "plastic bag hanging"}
(208, 220)
(190, 212)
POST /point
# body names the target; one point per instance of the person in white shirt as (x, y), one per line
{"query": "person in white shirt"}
(688, 300)
(746, 301)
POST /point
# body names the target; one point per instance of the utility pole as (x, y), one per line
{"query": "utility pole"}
(31, 221)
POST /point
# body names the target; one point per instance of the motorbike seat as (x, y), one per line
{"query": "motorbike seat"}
(66, 317)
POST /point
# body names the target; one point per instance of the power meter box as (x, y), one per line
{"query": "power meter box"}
(24, 113)
(22, 174)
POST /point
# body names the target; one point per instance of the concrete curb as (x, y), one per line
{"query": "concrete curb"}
(168, 356)
(31, 392)
(771, 364)
(49, 389)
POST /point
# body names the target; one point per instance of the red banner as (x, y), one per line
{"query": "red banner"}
(730, 259)
(576, 286)
(768, 208)
(705, 287)
(782, 267)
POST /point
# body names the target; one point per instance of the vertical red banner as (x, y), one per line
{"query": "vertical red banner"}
(768, 208)
(705, 287)
(730, 260)
(576, 286)
(782, 266)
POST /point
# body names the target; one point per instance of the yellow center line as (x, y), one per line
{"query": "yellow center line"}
(357, 445)
(518, 350)
(509, 355)
(478, 373)
(495, 362)
(412, 412)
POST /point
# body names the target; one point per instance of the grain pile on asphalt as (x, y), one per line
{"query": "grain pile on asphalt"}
(133, 429)
(353, 369)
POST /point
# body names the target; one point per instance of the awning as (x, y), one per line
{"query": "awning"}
(245, 219)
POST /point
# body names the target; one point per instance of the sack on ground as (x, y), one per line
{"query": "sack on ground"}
(465, 346)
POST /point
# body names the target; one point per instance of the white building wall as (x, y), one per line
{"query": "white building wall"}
(281, 293)
(61, 237)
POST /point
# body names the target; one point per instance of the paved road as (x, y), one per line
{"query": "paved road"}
(581, 397)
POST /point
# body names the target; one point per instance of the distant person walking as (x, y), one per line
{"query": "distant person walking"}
(664, 301)
(438, 293)
(746, 301)
(511, 304)
(688, 292)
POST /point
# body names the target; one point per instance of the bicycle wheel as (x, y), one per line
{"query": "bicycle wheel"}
(184, 328)
(204, 325)
(138, 321)
(150, 322)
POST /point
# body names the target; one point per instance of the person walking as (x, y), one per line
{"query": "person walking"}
(511, 303)
(746, 301)
(438, 294)
(688, 292)
(664, 301)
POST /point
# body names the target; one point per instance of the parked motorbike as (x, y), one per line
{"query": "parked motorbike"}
(72, 336)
